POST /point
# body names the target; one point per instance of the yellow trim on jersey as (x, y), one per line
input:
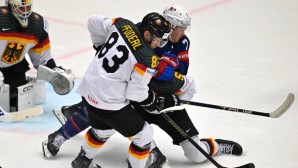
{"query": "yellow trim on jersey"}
(41, 50)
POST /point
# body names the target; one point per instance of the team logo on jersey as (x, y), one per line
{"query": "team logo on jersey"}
(13, 52)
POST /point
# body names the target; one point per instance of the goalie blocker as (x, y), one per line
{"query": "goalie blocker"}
(61, 79)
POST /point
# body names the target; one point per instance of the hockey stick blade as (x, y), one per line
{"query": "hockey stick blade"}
(21, 115)
(284, 107)
(249, 165)
(174, 108)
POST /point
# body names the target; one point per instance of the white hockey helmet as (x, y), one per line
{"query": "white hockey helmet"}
(177, 16)
(21, 9)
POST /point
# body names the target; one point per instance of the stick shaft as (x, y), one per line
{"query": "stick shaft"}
(183, 133)
(274, 114)
(233, 109)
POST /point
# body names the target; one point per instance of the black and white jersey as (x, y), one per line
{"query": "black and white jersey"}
(122, 69)
(16, 42)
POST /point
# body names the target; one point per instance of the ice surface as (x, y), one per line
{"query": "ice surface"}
(243, 54)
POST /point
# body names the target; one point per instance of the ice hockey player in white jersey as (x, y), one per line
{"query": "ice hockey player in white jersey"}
(26, 32)
(119, 74)
(171, 79)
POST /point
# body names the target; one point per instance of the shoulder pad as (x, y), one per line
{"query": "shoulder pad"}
(136, 42)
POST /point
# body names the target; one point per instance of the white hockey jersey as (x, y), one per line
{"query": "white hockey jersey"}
(16, 42)
(122, 69)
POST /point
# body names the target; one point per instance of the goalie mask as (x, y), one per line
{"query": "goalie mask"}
(21, 9)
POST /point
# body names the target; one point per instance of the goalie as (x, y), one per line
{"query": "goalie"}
(26, 32)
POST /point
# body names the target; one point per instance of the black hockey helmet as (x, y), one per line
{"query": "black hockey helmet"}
(156, 24)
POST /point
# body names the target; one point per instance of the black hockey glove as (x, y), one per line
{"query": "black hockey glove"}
(166, 101)
(149, 104)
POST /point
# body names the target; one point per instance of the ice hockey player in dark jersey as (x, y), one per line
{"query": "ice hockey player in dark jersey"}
(173, 84)
(22, 32)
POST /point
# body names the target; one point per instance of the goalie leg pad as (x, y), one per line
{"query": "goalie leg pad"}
(31, 94)
(39, 92)
(4, 99)
(4, 116)
(61, 79)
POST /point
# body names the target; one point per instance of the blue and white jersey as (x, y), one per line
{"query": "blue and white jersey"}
(180, 49)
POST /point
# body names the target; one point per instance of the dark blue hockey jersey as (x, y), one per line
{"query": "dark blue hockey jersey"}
(180, 49)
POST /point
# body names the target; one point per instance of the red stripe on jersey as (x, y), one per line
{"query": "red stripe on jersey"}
(18, 35)
(183, 56)
(141, 69)
(41, 45)
(40, 48)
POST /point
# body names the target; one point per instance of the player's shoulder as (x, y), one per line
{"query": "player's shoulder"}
(6, 18)
(124, 23)
(4, 10)
(97, 19)
(37, 25)
(5, 14)
(184, 39)
(135, 40)
(36, 19)
(183, 43)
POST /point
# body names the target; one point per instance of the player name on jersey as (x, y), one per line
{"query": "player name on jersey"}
(131, 37)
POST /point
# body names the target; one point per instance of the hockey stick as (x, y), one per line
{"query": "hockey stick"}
(59, 115)
(170, 109)
(274, 114)
(20, 115)
(184, 134)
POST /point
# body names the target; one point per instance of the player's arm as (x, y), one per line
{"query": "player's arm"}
(182, 55)
(137, 87)
(170, 63)
(183, 62)
(166, 66)
(138, 90)
(99, 27)
(62, 79)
